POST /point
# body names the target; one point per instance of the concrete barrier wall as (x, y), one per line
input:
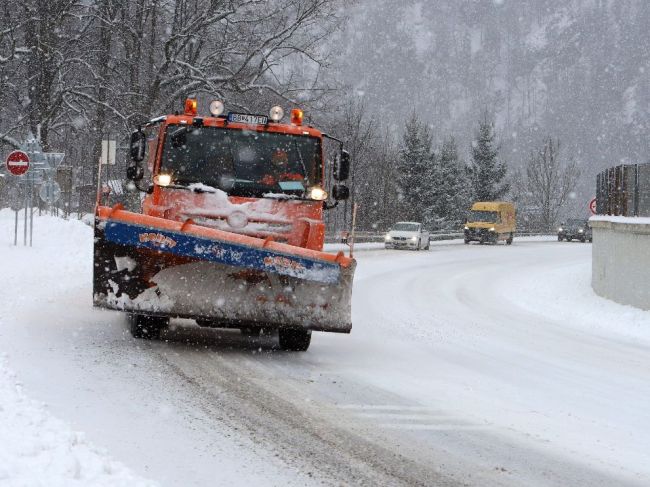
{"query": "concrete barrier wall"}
(621, 259)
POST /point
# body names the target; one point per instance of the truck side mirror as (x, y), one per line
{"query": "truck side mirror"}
(135, 172)
(138, 146)
(340, 192)
(342, 170)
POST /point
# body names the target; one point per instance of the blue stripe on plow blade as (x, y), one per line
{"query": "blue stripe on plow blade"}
(221, 252)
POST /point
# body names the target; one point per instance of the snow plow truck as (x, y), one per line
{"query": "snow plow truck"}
(230, 232)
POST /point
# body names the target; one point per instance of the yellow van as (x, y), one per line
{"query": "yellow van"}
(490, 221)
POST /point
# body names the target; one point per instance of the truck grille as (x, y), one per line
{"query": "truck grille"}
(279, 230)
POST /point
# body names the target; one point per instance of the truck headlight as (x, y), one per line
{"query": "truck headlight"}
(580, 231)
(413, 239)
(492, 229)
(560, 229)
(388, 238)
(466, 227)
(317, 193)
(163, 179)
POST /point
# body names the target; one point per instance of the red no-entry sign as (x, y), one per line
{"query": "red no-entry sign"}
(592, 206)
(17, 163)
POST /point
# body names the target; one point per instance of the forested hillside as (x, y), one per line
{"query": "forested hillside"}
(577, 70)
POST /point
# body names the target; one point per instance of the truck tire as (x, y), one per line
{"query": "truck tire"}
(509, 239)
(466, 241)
(428, 245)
(294, 339)
(568, 239)
(419, 247)
(559, 238)
(147, 327)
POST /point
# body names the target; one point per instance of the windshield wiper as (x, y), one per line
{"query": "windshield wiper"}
(302, 163)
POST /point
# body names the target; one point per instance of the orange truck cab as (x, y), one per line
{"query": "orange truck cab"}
(240, 173)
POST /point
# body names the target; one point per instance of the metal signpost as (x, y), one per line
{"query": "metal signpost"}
(17, 163)
(33, 167)
(15, 206)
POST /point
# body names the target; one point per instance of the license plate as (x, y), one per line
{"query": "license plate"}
(250, 119)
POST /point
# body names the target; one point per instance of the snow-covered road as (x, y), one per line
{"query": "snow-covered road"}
(467, 365)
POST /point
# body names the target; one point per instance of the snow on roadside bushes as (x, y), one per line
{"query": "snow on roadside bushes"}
(38, 449)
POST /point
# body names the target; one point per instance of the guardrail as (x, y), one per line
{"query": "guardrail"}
(367, 237)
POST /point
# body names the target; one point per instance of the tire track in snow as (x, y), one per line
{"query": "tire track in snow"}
(301, 435)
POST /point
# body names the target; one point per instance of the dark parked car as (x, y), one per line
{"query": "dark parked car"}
(574, 230)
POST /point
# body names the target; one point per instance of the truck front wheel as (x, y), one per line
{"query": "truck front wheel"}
(294, 339)
(147, 327)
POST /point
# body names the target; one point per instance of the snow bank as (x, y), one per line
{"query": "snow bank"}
(38, 449)
(565, 295)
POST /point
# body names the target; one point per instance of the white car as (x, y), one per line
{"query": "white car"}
(407, 235)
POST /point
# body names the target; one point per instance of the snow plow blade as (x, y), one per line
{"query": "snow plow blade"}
(155, 266)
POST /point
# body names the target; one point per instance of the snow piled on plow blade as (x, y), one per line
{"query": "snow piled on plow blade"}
(158, 271)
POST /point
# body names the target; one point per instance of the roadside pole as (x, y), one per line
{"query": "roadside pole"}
(31, 208)
(15, 196)
(25, 222)
(354, 222)
(16, 228)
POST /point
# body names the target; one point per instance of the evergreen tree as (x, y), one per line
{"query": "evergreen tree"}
(486, 172)
(451, 194)
(416, 173)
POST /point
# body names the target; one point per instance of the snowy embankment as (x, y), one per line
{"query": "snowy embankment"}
(36, 448)
(566, 294)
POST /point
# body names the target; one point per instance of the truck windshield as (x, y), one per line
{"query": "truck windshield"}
(405, 227)
(482, 216)
(241, 162)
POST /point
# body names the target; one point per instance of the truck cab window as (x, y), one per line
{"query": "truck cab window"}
(242, 162)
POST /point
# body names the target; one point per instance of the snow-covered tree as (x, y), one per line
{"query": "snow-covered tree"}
(451, 188)
(416, 173)
(549, 181)
(486, 172)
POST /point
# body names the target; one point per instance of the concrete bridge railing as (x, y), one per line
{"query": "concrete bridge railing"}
(621, 259)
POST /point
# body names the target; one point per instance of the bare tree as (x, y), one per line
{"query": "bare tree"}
(549, 181)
